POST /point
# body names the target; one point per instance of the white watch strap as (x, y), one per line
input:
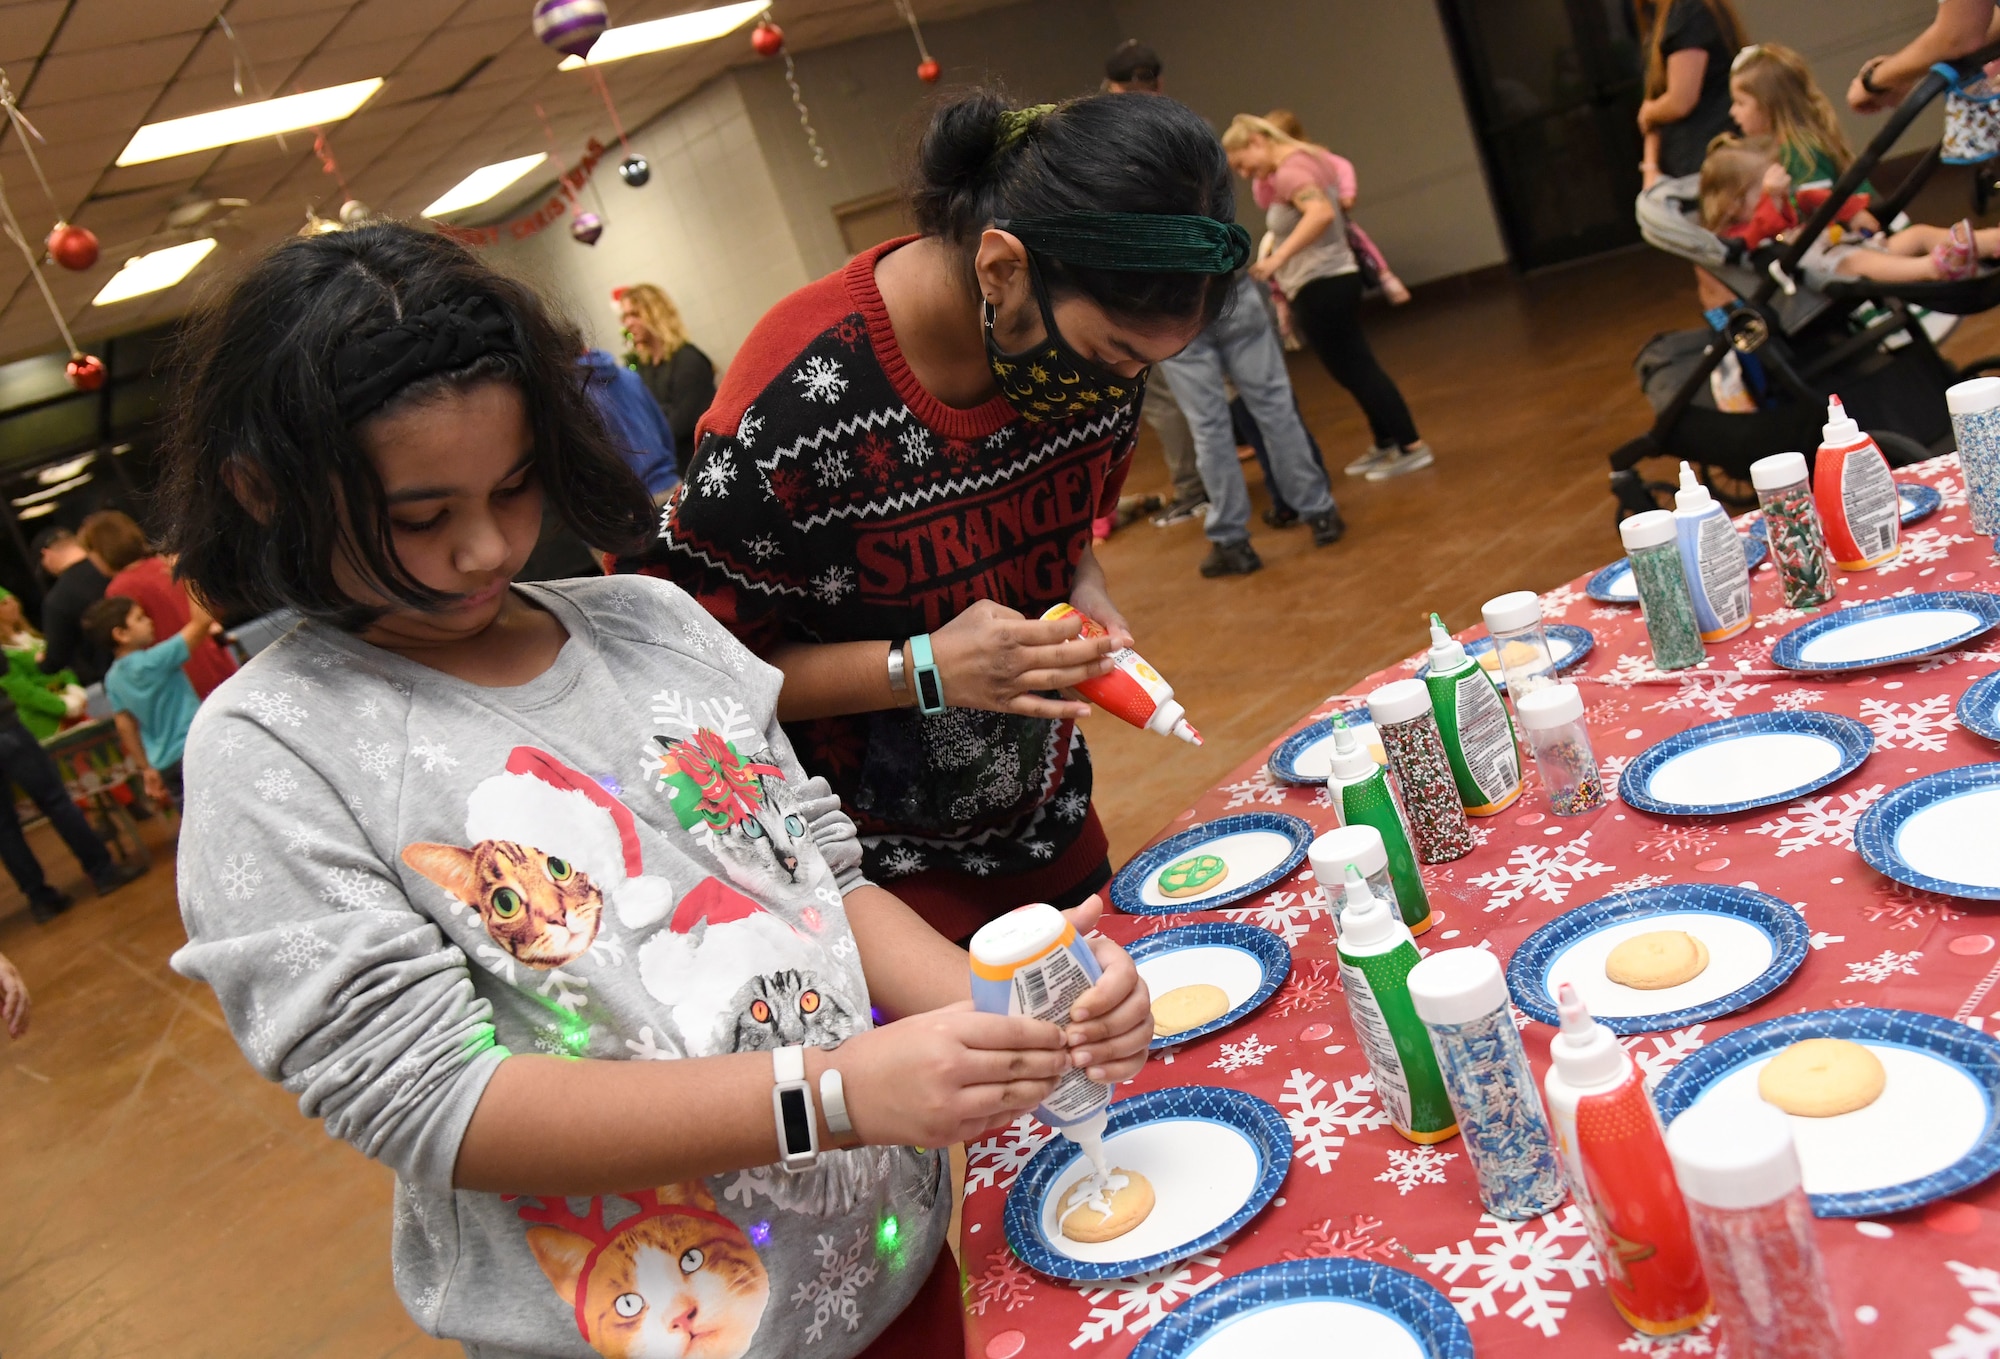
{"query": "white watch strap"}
(788, 1064)
(833, 1102)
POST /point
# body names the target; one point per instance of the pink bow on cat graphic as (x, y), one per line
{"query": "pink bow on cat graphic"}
(724, 782)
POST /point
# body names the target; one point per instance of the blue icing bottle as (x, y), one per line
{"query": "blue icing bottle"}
(1462, 999)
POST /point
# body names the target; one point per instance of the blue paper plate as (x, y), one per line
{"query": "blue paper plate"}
(1878, 837)
(1972, 1052)
(1284, 761)
(1265, 948)
(1528, 971)
(1256, 1122)
(1853, 740)
(1398, 1295)
(1978, 708)
(1579, 642)
(1789, 650)
(1128, 887)
(1613, 584)
(1917, 500)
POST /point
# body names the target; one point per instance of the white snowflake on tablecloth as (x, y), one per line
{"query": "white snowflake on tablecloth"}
(716, 470)
(1781, 615)
(1902, 907)
(1643, 880)
(1561, 600)
(1609, 769)
(1134, 1306)
(1818, 821)
(1071, 806)
(917, 445)
(1547, 872)
(1951, 492)
(299, 951)
(819, 379)
(1701, 1340)
(1671, 843)
(1519, 1261)
(435, 754)
(1922, 547)
(1978, 1335)
(353, 889)
(978, 862)
(833, 584)
(1310, 987)
(1321, 1126)
(1411, 1167)
(1236, 1056)
(276, 785)
(763, 548)
(1006, 1283)
(899, 861)
(274, 709)
(1260, 787)
(1627, 671)
(1604, 611)
(1324, 1241)
(995, 1162)
(240, 876)
(1289, 915)
(748, 426)
(377, 758)
(1884, 965)
(1949, 658)
(1716, 697)
(1797, 700)
(835, 1294)
(832, 467)
(1922, 725)
(1655, 1054)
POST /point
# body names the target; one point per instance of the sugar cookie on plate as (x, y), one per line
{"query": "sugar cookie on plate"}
(1822, 1077)
(1094, 1211)
(1188, 1007)
(1656, 960)
(1195, 873)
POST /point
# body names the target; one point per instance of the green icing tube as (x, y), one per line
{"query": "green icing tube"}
(1376, 955)
(1472, 722)
(1359, 790)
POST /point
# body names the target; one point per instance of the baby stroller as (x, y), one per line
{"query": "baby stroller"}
(1802, 340)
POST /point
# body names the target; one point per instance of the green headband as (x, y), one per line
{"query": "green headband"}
(1142, 242)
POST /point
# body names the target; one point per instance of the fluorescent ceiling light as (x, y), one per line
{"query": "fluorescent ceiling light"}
(150, 273)
(676, 30)
(483, 183)
(246, 122)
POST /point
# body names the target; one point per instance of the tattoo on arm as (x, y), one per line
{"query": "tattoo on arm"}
(1311, 193)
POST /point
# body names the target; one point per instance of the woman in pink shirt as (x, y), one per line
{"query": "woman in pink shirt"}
(1347, 188)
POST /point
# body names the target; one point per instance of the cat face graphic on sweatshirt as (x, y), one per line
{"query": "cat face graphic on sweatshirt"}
(541, 908)
(740, 801)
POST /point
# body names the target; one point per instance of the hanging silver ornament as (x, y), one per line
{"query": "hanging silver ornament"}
(634, 171)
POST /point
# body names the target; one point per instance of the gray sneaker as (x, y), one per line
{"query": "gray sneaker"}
(1401, 460)
(1370, 460)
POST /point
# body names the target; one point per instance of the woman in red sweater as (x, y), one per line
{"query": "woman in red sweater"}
(899, 474)
(118, 547)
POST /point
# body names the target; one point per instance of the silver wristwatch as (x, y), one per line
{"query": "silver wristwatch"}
(899, 681)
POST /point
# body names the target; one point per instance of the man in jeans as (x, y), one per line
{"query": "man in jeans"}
(1243, 344)
(25, 765)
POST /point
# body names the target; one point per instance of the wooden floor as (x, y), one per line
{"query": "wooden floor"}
(162, 1201)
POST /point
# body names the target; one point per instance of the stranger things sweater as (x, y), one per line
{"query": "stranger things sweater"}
(832, 499)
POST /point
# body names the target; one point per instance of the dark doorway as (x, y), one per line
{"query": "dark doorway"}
(1553, 88)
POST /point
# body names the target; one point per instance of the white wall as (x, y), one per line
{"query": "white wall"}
(709, 228)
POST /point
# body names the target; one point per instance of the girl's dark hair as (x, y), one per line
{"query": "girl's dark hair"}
(1142, 153)
(258, 455)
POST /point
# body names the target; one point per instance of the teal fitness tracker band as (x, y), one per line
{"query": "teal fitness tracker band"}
(930, 688)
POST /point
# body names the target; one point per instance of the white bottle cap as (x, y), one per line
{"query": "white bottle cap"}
(1647, 529)
(1692, 495)
(1840, 427)
(1399, 701)
(1511, 612)
(1446, 654)
(1020, 934)
(1585, 1052)
(1972, 397)
(1358, 845)
(1733, 1155)
(1554, 705)
(1780, 470)
(1365, 919)
(1458, 986)
(1351, 762)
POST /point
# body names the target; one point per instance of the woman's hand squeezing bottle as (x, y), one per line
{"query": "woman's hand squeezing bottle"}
(994, 657)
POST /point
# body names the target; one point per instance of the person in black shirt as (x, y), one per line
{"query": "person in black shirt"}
(680, 377)
(1689, 45)
(78, 585)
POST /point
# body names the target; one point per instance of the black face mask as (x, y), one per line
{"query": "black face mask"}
(1051, 381)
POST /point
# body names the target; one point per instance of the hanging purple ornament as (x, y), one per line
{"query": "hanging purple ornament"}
(586, 227)
(570, 26)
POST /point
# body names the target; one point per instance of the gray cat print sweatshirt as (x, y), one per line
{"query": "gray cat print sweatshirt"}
(393, 879)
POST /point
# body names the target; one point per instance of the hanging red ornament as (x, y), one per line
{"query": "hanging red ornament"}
(586, 227)
(928, 71)
(767, 38)
(73, 247)
(85, 372)
(570, 26)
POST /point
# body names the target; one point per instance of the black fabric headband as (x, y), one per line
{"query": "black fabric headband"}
(1140, 242)
(370, 369)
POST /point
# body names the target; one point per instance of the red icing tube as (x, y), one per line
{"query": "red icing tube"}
(1133, 691)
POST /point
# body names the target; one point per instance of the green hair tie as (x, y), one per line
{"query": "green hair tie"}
(1014, 124)
(1138, 242)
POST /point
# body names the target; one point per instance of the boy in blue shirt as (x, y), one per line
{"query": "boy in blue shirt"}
(154, 703)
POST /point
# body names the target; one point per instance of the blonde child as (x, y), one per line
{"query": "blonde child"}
(1772, 94)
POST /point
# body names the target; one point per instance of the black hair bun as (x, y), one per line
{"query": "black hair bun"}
(955, 160)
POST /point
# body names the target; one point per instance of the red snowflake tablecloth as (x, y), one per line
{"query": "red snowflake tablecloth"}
(1922, 1282)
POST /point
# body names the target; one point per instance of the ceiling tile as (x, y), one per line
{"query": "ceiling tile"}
(24, 32)
(243, 12)
(373, 21)
(85, 75)
(97, 24)
(338, 65)
(271, 47)
(116, 114)
(178, 170)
